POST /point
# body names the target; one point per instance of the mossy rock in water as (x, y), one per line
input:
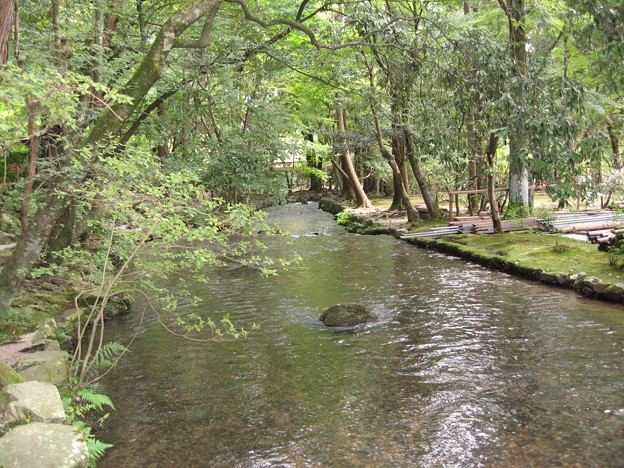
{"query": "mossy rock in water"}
(116, 303)
(346, 315)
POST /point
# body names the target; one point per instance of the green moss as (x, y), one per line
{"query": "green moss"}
(523, 253)
(485, 259)
(17, 322)
(8, 376)
(458, 238)
(37, 301)
(529, 251)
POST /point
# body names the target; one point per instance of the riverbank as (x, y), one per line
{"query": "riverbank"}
(550, 259)
(35, 426)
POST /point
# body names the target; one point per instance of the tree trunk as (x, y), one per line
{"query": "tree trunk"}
(398, 152)
(7, 8)
(615, 147)
(518, 168)
(518, 175)
(110, 23)
(473, 173)
(33, 157)
(63, 232)
(142, 24)
(360, 196)
(313, 161)
(397, 199)
(412, 214)
(490, 153)
(346, 190)
(423, 184)
(28, 249)
(397, 148)
(473, 168)
(163, 150)
(57, 43)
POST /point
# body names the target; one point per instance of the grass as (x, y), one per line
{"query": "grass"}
(552, 253)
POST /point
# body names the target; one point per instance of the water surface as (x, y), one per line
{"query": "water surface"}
(465, 367)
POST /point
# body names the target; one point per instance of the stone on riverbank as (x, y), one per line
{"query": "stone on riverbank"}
(346, 315)
(51, 345)
(8, 376)
(44, 446)
(571, 280)
(47, 329)
(548, 278)
(45, 366)
(590, 286)
(614, 292)
(32, 400)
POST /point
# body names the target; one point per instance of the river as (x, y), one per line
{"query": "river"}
(465, 367)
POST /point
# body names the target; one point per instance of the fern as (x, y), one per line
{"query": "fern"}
(67, 406)
(95, 396)
(106, 355)
(96, 447)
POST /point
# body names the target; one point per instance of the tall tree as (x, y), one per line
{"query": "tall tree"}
(518, 150)
(350, 174)
(7, 9)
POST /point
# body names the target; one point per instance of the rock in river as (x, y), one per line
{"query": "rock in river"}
(346, 315)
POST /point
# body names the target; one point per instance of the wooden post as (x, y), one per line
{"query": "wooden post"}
(450, 206)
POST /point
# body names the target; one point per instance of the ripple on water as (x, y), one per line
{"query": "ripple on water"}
(466, 367)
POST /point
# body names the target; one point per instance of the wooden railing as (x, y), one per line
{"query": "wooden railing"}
(476, 191)
(452, 194)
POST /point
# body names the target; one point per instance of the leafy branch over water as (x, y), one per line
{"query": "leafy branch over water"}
(156, 232)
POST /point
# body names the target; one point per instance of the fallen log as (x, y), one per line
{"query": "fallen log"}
(594, 226)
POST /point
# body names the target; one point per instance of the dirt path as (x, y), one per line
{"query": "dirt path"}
(10, 351)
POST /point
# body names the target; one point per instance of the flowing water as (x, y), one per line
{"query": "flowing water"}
(465, 367)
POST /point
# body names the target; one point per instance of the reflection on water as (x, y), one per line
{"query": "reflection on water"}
(465, 367)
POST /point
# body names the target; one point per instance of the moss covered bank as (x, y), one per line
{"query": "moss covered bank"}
(549, 259)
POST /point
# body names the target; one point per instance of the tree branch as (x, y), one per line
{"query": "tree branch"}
(301, 72)
(204, 38)
(249, 16)
(278, 21)
(145, 114)
(301, 8)
(504, 7)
